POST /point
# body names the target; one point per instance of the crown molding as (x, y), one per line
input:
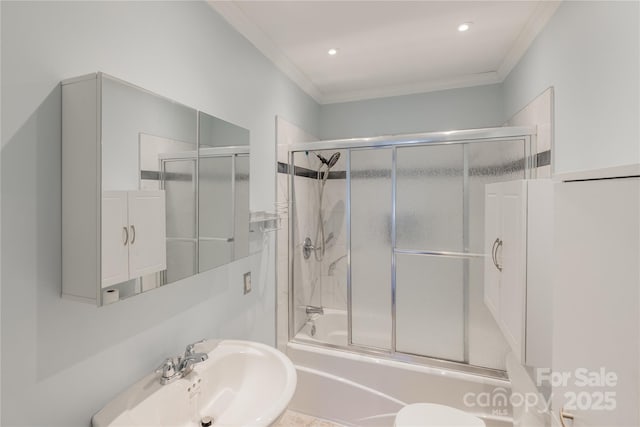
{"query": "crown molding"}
(458, 82)
(544, 11)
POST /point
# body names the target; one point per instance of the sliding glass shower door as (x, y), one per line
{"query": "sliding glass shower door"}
(407, 242)
(415, 243)
(429, 251)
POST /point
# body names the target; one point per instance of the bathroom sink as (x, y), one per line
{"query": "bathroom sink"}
(242, 383)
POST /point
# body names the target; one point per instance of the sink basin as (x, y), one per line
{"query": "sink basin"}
(242, 383)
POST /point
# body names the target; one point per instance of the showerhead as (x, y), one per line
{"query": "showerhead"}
(322, 158)
(332, 160)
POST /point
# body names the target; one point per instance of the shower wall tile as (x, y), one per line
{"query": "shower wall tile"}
(286, 134)
(334, 280)
(539, 113)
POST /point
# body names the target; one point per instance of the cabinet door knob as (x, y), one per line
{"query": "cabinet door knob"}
(133, 234)
(125, 236)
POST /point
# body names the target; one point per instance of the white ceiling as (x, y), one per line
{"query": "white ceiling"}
(388, 48)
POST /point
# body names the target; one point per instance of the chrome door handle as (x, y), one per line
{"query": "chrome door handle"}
(125, 235)
(133, 234)
(493, 252)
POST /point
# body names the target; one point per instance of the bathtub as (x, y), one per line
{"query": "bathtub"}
(368, 390)
(330, 328)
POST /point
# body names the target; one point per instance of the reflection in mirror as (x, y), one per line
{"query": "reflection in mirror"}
(242, 214)
(149, 147)
(215, 132)
(223, 192)
(170, 165)
(178, 181)
(216, 201)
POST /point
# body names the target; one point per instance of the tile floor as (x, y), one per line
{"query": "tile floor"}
(295, 419)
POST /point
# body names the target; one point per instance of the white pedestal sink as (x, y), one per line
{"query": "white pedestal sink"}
(242, 383)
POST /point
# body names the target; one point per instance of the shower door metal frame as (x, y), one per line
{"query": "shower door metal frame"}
(466, 137)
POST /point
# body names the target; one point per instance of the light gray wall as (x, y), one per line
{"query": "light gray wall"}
(466, 108)
(62, 361)
(589, 52)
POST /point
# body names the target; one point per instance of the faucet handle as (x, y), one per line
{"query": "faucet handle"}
(190, 350)
(168, 368)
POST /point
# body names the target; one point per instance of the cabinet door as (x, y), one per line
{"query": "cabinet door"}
(492, 232)
(596, 299)
(511, 256)
(115, 238)
(539, 297)
(147, 231)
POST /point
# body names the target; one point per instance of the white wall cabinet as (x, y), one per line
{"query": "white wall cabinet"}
(133, 235)
(111, 231)
(518, 226)
(596, 300)
(118, 139)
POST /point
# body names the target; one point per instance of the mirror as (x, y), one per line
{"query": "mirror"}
(149, 146)
(173, 189)
(223, 178)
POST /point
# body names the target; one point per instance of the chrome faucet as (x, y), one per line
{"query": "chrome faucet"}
(311, 309)
(176, 368)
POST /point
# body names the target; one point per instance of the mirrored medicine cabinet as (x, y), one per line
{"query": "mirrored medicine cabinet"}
(153, 191)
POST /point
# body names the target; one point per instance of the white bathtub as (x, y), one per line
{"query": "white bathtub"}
(330, 328)
(363, 390)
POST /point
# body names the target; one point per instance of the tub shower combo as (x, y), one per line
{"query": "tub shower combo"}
(386, 267)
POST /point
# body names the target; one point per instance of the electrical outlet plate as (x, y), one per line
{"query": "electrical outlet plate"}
(247, 282)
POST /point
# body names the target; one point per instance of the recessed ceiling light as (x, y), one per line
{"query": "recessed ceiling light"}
(464, 26)
(332, 51)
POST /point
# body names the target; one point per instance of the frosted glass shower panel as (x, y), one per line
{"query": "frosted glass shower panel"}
(371, 203)
(216, 213)
(494, 161)
(429, 198)
(489, 161)
(430, 306)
